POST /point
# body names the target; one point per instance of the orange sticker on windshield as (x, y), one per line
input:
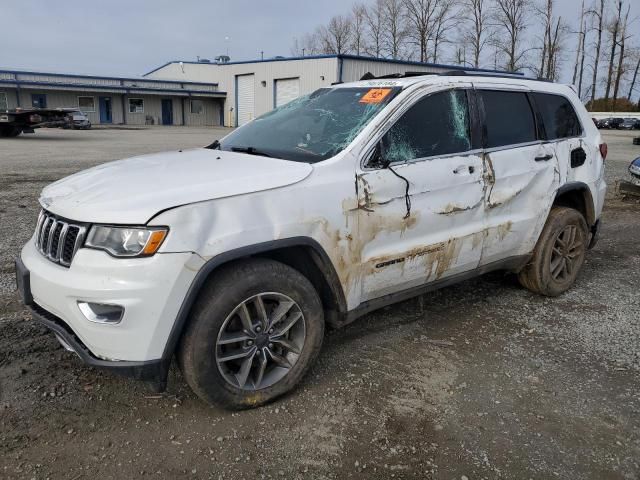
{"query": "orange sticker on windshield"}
(375, 95)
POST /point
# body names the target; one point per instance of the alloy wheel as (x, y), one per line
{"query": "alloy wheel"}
(260, 341)
(566, 253)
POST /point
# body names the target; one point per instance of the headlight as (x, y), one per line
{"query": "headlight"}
(126, 241)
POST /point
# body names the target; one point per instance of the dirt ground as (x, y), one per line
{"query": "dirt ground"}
(479, 380)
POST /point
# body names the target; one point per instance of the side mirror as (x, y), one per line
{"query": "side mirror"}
(378, 159)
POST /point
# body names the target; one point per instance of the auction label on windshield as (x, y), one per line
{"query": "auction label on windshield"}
(375, 95)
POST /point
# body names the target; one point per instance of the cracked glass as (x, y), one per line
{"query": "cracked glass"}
(311, 128)
(436, 125)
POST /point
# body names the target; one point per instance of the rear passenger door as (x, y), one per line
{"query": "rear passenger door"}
(521, 173)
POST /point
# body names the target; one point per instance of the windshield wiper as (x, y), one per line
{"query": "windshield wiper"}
(250, 151)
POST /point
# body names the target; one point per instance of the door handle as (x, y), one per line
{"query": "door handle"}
(463, 168)
(544, 158)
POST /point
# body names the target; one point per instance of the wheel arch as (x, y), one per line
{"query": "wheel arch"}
(577, 195)
(302, 253)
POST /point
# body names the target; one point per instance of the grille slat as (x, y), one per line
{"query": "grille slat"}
(57, 239)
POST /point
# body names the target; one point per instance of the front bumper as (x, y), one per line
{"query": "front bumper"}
(153, 371)
(151, 290)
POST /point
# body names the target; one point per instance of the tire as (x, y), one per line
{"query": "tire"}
(10, 132)
(217, 318)
(553, 268)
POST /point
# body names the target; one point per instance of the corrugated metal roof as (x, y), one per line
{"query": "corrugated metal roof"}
(121, 84)
(342, 56)
(97, 77)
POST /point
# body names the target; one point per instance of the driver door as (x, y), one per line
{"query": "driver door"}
(421, 217)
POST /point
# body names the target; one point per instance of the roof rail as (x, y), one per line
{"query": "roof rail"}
(452, 73)
(370, 76)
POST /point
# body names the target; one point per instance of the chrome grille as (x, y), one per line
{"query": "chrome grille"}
(57, 239)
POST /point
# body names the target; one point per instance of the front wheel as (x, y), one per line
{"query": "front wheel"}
(559, 253)
(254, 332)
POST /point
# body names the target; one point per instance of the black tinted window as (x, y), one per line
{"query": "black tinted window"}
(559, 117)
(509, 118)
(436, 125)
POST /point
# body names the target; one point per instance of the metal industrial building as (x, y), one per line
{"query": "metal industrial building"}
(196, 93)
(255, 87)
(115, 100)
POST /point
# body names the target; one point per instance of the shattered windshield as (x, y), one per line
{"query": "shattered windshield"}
(312, 128)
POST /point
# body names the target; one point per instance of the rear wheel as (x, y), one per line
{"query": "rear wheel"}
(10, 132)
(254, 332)
(559, 253)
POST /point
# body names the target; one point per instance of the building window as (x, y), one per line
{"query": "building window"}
(197, 106)
(136, 105)
(86, 104)
(38, 100)
(3, 102)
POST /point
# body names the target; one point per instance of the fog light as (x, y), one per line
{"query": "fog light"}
(102, 313)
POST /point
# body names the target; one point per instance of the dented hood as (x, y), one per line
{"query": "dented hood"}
(132, 191)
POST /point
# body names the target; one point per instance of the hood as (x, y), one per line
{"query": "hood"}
(132, 191)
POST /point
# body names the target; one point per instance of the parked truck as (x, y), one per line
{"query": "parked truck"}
(15, 122)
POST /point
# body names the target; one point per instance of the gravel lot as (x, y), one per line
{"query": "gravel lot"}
(479, 380)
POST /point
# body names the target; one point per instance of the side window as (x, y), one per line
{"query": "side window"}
(436, 125)
(559, 117)
(509, 118)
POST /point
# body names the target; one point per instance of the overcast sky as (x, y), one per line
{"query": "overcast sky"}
(131, 37)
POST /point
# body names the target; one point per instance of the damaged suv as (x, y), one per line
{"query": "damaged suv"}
(233, 258)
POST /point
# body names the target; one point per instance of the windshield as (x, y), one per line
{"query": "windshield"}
(312, 128)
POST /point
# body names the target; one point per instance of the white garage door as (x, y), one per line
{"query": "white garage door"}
(287, 89)
(245, 99)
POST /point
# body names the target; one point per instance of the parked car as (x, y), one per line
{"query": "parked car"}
(628, 124)
(611, 123)
(78, 120)
(600, 123)
(615, 123)
(235, 257)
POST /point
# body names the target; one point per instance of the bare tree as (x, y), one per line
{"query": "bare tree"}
(395, 32)
(583, 38)
(552, 35)
(614, 30)
(374, 19)
(599, 16)
(511, 23)
(309, 44)
(358, 23)
(621, 65)
(635, 78)
(336, 36)
(477, 35)
(420, 16)
(579, 49)
(446, 19)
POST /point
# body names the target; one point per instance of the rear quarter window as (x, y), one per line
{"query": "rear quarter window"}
(558, 115)
(509, 118)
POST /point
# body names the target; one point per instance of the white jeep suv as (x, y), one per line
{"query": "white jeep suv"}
(234, 257)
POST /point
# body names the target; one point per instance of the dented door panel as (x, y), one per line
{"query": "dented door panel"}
(441, 237)
(517, 198)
